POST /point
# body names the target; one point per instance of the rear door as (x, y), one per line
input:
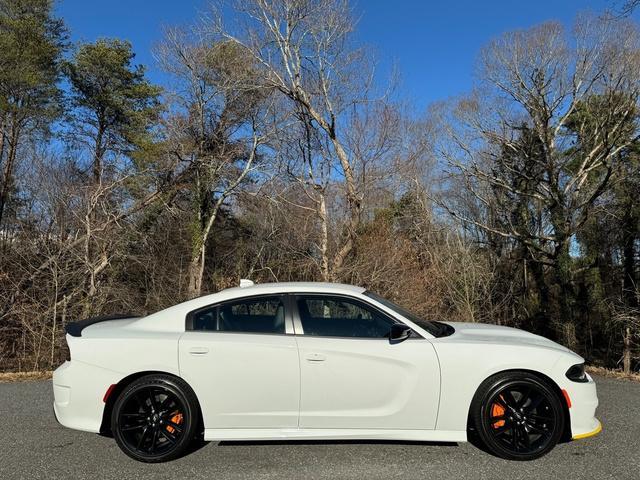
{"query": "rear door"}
(353, 377)
(242, 364)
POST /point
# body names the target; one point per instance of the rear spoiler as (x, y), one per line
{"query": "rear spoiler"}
(75, 329)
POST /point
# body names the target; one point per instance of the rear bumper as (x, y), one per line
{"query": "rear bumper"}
(78, 389)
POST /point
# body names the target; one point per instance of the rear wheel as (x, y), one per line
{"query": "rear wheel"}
(155, 418)
(518, 416)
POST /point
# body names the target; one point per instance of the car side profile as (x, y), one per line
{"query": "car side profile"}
(302, 361)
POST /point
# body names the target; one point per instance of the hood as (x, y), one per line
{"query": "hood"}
(496, 334)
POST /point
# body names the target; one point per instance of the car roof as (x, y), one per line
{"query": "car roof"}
(172, 318)
(288, 287)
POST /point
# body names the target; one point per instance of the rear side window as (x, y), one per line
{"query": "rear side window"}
(251, 315)
(334, 316)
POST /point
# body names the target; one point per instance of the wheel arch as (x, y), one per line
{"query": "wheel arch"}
(105, 426)
(566, 434)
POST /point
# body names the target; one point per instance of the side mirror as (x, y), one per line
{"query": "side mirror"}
(399, 333)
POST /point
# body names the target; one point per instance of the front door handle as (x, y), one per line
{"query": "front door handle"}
(198, 350)
(315, 357)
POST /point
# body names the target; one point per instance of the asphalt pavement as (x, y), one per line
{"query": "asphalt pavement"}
(34, 446)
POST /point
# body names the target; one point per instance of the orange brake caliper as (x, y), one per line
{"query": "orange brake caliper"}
(177, 419)
(497, 411)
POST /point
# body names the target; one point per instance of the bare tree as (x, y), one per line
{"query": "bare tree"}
(628, 320)
(536, 145)
(305, 50)
(220, 125)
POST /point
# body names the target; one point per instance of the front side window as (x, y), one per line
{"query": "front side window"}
(334, 316)
(437, 329)
(250, 315)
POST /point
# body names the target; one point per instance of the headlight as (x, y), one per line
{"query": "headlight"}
(577, 374)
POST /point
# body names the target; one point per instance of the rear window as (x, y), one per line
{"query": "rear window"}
(252, 315)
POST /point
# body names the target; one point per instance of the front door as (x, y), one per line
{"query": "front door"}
(242, 365)
(353, 377)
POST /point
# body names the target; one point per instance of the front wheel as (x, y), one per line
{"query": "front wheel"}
(518, 416)
(155, 418)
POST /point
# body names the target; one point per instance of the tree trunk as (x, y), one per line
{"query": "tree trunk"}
(195, 274)
(543, 320)
(55, 318)
(562, 287)
(565, 296)
(199, 247)
(207, 217)
(630, 284)
(198, 260)
(7, 174)
(2, 137)
(354, 201)
(626, 351)
(341, 256)
(324, 238)
(98, 155)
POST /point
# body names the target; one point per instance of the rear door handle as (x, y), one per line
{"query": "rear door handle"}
(315, 357)
(198, 350)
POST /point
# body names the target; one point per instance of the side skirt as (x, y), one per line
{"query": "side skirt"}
(250, 434)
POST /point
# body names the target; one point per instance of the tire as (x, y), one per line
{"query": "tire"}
(155, 418)
(517, 416)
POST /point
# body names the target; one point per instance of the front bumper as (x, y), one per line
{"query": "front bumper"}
(78, 389)
(593, 433)
(584, 401)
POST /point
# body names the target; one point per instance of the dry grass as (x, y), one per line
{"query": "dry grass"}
(605, 372)
(24, 376)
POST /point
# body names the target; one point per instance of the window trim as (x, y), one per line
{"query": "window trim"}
(288, 319)
(297, 321)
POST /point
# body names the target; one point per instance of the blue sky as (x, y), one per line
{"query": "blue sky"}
(434, 44)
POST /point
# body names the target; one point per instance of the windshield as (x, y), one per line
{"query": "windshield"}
(437, 329)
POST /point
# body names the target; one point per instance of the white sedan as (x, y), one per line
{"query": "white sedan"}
(302, 361)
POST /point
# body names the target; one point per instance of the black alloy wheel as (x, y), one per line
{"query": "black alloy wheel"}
(155, 418)
(519, 417)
